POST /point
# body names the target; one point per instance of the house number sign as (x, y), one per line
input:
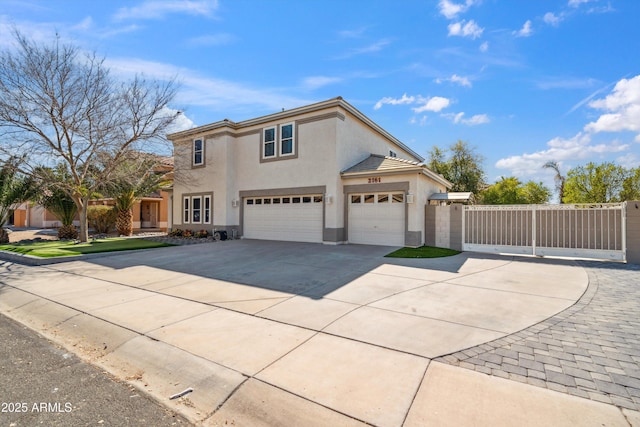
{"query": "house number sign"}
(374, 180)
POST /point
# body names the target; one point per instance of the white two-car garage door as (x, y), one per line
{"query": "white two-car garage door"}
(377, 219)
(292, 218)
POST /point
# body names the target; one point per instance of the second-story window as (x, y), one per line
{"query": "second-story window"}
(269, 143)
(198, 152)
(286, 140)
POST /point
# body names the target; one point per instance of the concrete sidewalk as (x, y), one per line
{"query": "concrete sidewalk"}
(270, 333)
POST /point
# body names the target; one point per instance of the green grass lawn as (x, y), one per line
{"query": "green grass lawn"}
(57, 248)
(422, 252)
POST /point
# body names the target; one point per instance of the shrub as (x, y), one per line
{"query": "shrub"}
(187, 233)
(101, 218)
(175, 233)
(202, 234)
(67, 232)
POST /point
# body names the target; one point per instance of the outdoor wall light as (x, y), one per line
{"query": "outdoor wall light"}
(409, 197)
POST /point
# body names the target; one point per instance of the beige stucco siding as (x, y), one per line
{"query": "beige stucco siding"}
(188, 180)
(315, 164)
(330, 137)
(358, 142)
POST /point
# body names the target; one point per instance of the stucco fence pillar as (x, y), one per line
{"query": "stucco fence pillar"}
(633, 231)
(443, 226)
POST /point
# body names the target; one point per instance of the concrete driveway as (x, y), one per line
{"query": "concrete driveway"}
(277, 333)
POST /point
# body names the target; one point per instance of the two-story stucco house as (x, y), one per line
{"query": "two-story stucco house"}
(320, 173)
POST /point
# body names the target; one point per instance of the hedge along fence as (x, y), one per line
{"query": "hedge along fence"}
(102, 218)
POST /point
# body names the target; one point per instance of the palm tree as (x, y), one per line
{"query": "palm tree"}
(62, 207)
(53, 195)
(137, 179)
(14, 189)
(559, 178)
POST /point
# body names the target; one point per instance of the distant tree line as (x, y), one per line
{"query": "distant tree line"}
(606, 182)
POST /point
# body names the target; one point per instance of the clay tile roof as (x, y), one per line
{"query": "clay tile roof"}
(376, 162)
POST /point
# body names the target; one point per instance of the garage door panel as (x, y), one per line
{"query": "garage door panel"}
(298, 222)
(377, 219)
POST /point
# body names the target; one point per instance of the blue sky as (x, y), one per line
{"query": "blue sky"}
(523, 81)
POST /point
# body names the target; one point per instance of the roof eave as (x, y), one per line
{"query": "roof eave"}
(439, 178)
(390, 171)
(333, 102)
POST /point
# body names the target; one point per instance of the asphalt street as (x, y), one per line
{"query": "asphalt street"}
(43, 384)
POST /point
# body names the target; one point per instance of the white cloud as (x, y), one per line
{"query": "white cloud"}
(372, 48)
(622, 108)
(559, 150)
(394, 101)
(210, 92)
(465, 29)
(450, 9)
(462, 81)
(212, 40)
(458, 118)
(477, 119)
(525, 31)
(622, 113)
(158, 9)
(565, 83)
(435, 104)
(577, 3)
(118, 30)
(182, 122)
(352, 34)
(315, 82)
(84, 25)
(552, 19)
(420, 122)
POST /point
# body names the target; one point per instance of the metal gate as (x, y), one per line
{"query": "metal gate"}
(580, 231)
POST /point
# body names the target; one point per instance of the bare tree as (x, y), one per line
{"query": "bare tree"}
(559, 178)
(61, 106)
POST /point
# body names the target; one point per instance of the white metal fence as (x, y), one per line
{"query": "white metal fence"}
(582, 231)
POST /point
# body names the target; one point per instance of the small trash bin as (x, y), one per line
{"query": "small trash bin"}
(220, 235)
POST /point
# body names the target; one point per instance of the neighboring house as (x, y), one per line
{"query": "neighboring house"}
(30, 214)
(319, 173)
(149, 213)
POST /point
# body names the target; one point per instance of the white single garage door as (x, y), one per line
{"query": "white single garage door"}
(377, 218)
(292, 218)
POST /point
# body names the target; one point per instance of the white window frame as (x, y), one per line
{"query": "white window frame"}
(292, 138)
(186, 210)
(206, 210)
(200, 151)
(274, 142)
(193, 210)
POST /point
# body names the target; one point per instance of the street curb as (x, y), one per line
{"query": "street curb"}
(34, 261)
(154, 367)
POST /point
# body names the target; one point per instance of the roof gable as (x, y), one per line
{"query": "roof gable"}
(378, 164)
